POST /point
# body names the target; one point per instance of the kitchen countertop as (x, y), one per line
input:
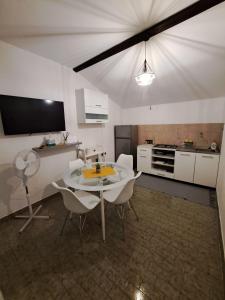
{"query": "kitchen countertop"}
(197, 150)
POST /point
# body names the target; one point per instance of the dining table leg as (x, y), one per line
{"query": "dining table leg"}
(102, 215)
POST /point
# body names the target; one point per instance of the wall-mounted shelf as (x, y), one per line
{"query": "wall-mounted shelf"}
(56, 147)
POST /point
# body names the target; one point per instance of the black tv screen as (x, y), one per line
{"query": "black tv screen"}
(27, 115)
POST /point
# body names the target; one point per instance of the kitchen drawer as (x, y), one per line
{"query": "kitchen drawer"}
(206, 169)
(147, 152)
(184, 166)
(144, 163)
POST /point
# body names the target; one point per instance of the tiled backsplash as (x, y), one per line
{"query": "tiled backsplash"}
(201, 134)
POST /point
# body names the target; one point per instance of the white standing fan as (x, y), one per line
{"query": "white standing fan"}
(27, 164)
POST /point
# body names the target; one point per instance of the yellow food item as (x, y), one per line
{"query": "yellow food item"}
(91, 173)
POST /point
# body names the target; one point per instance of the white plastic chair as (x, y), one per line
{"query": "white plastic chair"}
(75, 164)
(122, 196)
(79, 202)
(125, 161)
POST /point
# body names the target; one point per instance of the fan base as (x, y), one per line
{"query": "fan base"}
(30, 217)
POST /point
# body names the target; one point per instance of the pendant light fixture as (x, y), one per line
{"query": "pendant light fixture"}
(145, 75)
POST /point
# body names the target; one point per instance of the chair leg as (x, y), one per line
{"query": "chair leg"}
(128, 203)
(82, 222)
(117, 210)
(121, 211)
(81, 227)
(64, 223)
(80, 234)
(132, 207)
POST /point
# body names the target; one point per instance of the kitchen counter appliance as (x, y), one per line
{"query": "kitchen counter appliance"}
(165, 146)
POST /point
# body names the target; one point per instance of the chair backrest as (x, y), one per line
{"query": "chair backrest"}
(125, 161)
(70, 200)
(127, 191)
(76, 164)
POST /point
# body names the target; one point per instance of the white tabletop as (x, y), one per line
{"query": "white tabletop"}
(77, 181)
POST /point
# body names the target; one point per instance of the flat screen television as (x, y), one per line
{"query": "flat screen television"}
(27, 115)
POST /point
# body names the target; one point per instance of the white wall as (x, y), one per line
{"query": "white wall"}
(200, 111)
(25, 74)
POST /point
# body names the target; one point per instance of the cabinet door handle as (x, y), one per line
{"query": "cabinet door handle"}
(206, 156)
(142, 156)
(98, 105)
(184, 154)
(143, 150)
(99, 121)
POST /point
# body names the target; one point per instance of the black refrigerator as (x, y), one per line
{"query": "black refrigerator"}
(126, 139)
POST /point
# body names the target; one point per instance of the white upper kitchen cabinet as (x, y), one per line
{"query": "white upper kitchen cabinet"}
(206, 169)
(92, 106)
(184, 166)
(144, 158)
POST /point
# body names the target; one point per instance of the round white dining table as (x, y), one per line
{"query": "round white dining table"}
(77, 181)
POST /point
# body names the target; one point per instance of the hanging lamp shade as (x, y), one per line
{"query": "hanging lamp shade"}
(145, 75)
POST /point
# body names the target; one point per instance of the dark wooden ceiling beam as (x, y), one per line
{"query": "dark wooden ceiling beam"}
(179, 17)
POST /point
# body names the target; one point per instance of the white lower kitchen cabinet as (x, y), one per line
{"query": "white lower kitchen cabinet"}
(206, 169)
(144, 158)
(184, 166)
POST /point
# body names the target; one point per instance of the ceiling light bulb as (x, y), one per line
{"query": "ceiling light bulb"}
(145, 78)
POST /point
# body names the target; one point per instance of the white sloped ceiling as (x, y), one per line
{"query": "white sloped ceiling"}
(188, 59)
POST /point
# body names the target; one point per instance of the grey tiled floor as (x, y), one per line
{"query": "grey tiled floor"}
(171, 253)
(191, 192)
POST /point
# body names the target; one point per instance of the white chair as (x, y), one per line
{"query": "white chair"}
(75, 164)
(122, 196)
(79, 202)
(125, 161)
